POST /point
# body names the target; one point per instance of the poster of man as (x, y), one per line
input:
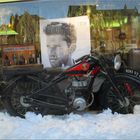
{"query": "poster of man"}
(64, 40)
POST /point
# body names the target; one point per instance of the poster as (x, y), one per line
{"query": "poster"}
(64, 40)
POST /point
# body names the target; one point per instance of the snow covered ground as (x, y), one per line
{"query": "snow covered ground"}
(73, 126)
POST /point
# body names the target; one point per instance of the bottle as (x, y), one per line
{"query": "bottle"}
(38, 59)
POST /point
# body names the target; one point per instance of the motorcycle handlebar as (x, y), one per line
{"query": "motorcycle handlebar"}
(82, 58)
(99, 59)
(86, 58)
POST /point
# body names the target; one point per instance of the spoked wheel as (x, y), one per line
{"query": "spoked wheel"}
(130, 91)
(15, 97)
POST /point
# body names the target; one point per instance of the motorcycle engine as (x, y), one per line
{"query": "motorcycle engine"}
(77, 92)
(79, 84)
(79, 103)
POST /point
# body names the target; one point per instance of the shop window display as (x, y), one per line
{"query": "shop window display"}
(18, 55)
(19, 34)
(55, 36)
(107, 19)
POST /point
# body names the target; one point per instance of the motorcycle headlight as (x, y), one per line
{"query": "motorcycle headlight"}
(117, 62)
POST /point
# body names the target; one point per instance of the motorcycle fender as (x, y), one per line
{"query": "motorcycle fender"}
(131, 72)
(10, 83)
(131, 77)
(98, 81)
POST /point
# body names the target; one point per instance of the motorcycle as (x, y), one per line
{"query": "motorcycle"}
(91, 80)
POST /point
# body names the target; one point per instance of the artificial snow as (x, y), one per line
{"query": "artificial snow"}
(103, 125)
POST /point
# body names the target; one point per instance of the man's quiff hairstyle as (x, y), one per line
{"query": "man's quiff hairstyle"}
(65, 29)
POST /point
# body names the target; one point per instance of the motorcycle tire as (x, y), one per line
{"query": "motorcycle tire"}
(15, 94)
(130, 91)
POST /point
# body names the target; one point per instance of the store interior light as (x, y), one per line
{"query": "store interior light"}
(109, 29)
(116, 23)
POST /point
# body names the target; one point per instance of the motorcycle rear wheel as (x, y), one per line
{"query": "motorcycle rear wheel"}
(15, 95)
(130, 91)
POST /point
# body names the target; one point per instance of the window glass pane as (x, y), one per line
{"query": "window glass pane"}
(104, 26)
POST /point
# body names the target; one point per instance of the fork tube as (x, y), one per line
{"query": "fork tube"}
(114, 85)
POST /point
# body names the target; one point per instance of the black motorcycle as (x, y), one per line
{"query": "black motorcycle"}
(92, 80)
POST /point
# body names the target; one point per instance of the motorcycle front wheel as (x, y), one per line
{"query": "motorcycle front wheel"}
(129, 90)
